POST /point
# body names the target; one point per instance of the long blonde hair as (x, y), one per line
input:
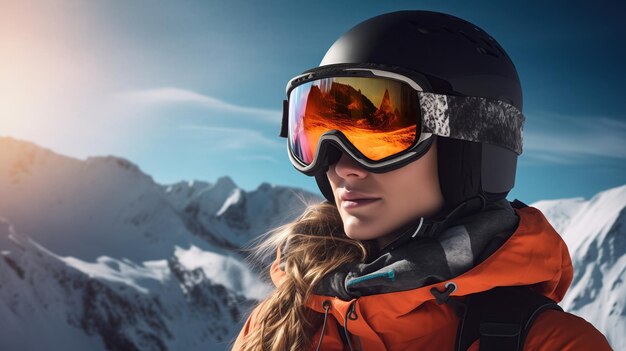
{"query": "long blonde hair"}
(314, 244)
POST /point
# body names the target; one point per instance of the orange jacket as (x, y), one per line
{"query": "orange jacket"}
(412, 320)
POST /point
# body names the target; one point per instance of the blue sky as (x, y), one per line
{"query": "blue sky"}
(194, 89)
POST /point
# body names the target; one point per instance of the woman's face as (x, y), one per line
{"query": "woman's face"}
(372, 205)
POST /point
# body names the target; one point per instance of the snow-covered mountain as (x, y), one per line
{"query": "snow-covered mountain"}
(94, 255)
(595, 233)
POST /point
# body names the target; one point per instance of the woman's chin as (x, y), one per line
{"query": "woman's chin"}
(361, 230)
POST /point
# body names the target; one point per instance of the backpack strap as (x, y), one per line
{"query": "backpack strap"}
(342, 334)
(500, 317)
(517, 204)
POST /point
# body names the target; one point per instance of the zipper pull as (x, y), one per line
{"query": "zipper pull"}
(352, 315)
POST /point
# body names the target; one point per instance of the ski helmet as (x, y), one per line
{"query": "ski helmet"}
(451, 56)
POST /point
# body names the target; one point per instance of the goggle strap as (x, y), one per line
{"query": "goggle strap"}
(469, 118)
(473, 118)
(284, 126)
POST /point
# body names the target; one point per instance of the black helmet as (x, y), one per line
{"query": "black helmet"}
(457, 58)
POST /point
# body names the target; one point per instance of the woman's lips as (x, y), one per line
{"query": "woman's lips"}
(358, 202)
(354, 199)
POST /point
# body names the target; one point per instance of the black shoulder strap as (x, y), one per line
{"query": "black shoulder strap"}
(517, 204)
(342, 334)
(500, 317)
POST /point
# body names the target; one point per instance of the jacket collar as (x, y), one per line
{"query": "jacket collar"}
(533, 255)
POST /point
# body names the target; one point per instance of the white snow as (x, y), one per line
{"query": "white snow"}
(226, 270)
(129, 273)
(595, 233)
(232, 199)
(84, 241)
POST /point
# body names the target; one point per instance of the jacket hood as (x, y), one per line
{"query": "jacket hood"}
(535, 255)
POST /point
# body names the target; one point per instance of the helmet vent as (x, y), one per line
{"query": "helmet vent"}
(468, 37)
(487, 42)
(448, 30)
(482, 50)
(421, 29)
(424, 30)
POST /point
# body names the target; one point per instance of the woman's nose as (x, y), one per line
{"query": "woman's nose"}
(347, 167)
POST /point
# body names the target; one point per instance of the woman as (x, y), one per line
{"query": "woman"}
(412, 126)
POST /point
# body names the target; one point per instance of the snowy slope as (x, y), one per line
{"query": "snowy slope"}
(70, 304)
(595, 233)
(94, 255)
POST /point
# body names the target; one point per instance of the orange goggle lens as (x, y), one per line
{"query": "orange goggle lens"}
(378, 116)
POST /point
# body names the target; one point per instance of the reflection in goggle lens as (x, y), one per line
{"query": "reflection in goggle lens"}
(378, 116)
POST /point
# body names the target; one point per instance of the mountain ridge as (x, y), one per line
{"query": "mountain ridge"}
(96, 255)
(595, 233)
(103, 257)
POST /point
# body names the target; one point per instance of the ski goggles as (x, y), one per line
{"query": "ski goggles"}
(383, 119)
